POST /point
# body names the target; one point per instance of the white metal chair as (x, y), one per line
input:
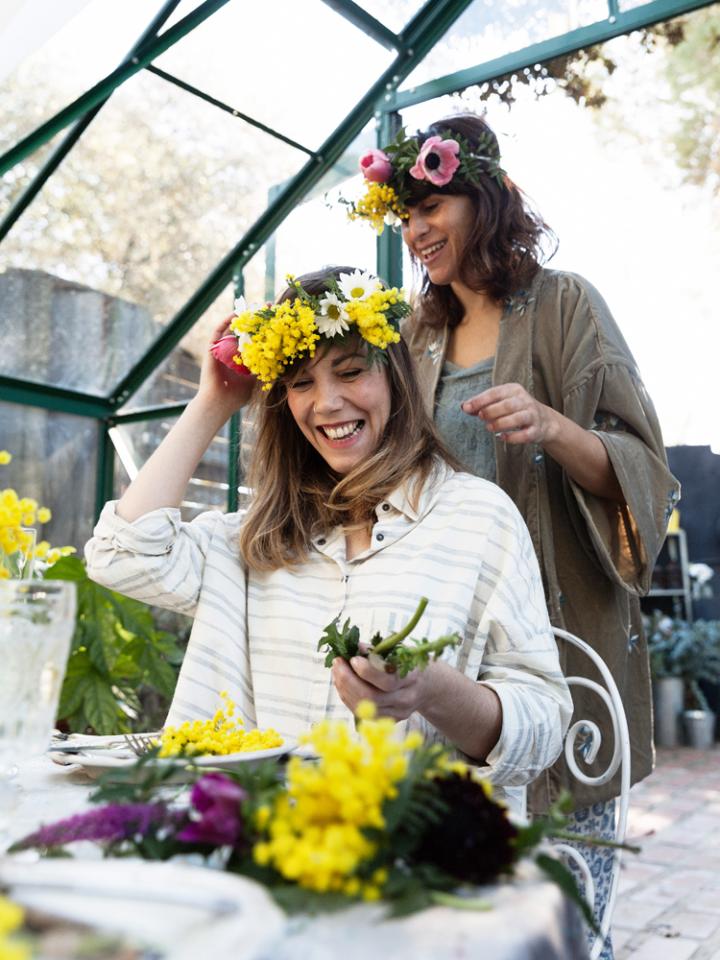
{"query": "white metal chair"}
(591, 740)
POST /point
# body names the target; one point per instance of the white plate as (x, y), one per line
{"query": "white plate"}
(96, 762)
(185, 911)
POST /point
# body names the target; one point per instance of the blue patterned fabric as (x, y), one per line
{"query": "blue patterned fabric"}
(598, 821)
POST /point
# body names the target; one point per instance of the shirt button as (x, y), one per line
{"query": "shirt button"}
(538, 458)
(379, 536)
(321, 542)
(386, 506)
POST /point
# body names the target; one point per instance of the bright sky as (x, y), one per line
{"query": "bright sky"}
(649, 244)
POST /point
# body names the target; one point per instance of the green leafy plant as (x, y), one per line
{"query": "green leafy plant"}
(386, 653)
(687, 650)
(117, 654)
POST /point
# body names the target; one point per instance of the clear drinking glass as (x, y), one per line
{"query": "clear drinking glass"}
(37, 619)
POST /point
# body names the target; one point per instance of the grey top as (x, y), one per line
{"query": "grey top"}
(474, 448)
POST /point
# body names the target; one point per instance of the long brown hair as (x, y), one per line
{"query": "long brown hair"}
(509, 239)
(296, 495)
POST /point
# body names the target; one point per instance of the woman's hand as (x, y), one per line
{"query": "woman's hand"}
(220, 385)
(513, 415)
(393, 696)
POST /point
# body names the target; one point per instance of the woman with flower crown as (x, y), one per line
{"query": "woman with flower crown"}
(356, 515)
(532, 385)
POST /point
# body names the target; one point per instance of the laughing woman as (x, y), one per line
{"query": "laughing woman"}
(357, 512)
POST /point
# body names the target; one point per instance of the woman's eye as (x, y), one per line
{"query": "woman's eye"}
(299, 384)
(351, 373)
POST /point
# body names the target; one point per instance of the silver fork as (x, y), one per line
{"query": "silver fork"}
(140, 743)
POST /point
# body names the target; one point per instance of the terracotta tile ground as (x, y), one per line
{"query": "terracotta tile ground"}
(668, 906)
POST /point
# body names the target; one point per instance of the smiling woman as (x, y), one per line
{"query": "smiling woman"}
(356, 513)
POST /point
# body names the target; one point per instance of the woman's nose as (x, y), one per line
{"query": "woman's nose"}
(415, 227)
(327, 399)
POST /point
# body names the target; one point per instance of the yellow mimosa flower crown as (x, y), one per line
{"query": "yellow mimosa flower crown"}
(274, 337)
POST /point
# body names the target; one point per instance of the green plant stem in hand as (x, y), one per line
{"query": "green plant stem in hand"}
(388, 652)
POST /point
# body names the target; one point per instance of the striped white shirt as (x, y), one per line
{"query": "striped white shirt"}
(464, 546)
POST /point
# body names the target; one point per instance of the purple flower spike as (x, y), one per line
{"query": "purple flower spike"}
(116, 821)
(217, 798)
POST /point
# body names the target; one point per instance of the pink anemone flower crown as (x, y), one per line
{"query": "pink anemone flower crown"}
(437, 161)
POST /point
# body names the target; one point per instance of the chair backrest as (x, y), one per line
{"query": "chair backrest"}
(582, 742)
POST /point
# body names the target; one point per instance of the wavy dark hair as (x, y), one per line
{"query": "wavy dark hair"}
(509, 240)
(296, 495)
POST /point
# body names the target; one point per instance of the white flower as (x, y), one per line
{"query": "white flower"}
(240, 306)
(357, 285)
(392, 219)
(333, 316)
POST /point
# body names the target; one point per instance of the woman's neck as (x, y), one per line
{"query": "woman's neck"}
(475, 337)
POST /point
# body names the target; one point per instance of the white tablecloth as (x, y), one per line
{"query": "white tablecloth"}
(529, 920)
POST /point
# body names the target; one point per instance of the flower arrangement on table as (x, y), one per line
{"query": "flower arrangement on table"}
(373, 816)
(19, 550)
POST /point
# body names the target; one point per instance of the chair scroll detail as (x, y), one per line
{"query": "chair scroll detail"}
(587, 752)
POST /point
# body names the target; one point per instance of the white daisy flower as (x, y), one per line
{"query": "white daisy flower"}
(391, 219)
(357, 285)
(333, 316)
(240, 306)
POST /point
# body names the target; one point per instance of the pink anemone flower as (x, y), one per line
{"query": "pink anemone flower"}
(437, 161)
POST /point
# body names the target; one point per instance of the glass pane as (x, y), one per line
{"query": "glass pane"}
(208, 490)
(487, 30)
(151, 239)
(608, 184)
(318, 233)
(395, 14)
(62, 315)
(294, 65)
(88, 47)
(54, 462)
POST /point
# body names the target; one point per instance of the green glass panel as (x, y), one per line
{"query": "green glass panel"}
(64, 64)
(395, 14)
(148, 235)
(54, 462)
(488, 30)
(135, 442)
(176, 378)
(297, 67)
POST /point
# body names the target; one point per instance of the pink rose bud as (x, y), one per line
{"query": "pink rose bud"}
(376, 166)
(224, 350)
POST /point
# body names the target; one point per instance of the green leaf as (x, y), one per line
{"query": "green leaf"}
(343, 643)
(100, 705)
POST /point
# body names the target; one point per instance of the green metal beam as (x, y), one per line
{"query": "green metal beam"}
(62, 150)
(389, 243)
(367, 23)
(614, 26)
(59, 399)
(102, 90)
(235, 427)
(105, 469)
(142, 414)
(435, 17)
(224, 106)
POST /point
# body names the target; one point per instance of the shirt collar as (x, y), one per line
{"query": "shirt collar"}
(401, 500)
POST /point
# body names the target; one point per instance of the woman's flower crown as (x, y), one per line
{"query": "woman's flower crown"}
(438, 160)
(272, 338)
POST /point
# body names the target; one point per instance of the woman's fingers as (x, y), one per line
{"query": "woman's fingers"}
(222, 329)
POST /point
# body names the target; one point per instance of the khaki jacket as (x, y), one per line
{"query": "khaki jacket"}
(559, 341)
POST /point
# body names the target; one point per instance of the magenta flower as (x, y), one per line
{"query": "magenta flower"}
(217, 799)
(437, 161)
(116, 821)
(224, 350)
(376, 166)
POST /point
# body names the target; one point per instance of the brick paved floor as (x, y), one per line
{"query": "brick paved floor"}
(668, 905)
